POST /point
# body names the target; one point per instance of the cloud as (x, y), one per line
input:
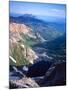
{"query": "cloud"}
(55, 10)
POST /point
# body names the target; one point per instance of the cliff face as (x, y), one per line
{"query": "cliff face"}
(19, 50)
(20, 28)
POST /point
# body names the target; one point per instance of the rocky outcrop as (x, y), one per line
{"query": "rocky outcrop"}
(16, 29)
(19, 28)
(23, 83)
(31, 55)
(54, 75)
(21, 49)
(27, 52)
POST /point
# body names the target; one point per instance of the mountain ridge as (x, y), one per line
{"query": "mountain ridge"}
(37, 25)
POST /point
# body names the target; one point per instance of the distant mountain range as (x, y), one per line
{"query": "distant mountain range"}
(46, 30)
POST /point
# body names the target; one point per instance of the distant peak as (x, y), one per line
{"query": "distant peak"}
(27, 15)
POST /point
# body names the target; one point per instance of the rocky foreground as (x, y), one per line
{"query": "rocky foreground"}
(54, 75)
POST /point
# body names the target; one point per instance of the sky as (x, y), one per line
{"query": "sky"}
(41, 10)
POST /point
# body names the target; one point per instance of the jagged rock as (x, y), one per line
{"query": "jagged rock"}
(16, 27)
(24, 83)
(31, 55)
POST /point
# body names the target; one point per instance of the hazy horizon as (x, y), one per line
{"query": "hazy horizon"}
(44, 11)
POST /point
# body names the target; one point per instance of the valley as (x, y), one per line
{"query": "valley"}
(40, 48)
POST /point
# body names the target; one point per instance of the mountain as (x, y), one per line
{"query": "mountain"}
(19, 48)
(55, 48)
(34, 35)
(46, 31)
(37, 53)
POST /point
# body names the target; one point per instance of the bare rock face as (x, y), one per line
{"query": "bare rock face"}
(14, 27)
(31, 55)
(24, 83)
(14, 38)
(27, 52)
